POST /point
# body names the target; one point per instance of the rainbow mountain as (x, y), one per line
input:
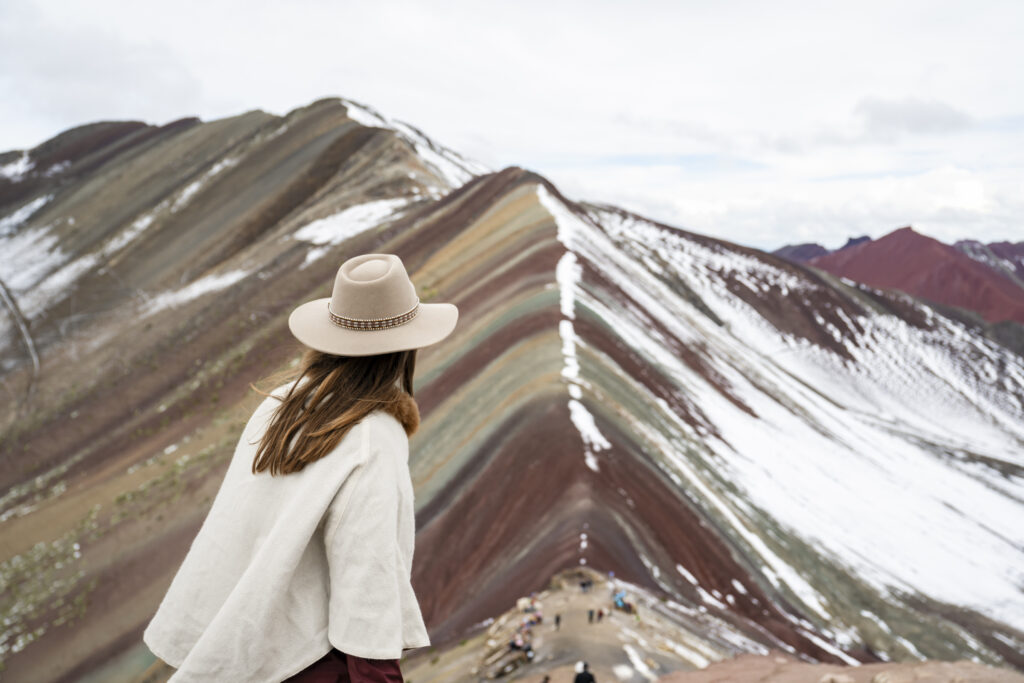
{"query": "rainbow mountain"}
(804, 463)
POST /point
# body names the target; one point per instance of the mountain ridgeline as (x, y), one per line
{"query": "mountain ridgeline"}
(797, 461)
(968, 277)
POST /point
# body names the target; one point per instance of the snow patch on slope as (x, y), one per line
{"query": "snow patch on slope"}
(10, 223)
(32, 265)
(873, 461)
(27, 256)
(983, 254)
(16, 170)
(138, 226)
(190, 190)
(193, 290)
(346, 224)
(39, 272)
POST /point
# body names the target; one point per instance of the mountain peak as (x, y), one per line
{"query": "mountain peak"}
(906, 233)
(923, 266)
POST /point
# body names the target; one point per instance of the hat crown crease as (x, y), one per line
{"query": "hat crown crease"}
(369, 270)
(372, 287)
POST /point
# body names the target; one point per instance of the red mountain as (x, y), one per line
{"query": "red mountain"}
(926, 268)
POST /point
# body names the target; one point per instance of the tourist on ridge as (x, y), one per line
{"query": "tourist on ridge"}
(583, 674)
(302, 568)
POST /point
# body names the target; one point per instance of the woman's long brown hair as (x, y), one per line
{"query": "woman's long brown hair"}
(340, 391)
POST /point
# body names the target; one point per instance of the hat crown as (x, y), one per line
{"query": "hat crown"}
(371, 287)
(372, 310)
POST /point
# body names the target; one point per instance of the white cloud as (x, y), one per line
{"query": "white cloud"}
(886, 119)
(57, 74)
(722, 118)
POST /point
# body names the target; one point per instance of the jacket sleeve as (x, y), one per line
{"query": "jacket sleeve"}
(364, 560)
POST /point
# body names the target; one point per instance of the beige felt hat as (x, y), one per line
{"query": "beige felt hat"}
(373, 309)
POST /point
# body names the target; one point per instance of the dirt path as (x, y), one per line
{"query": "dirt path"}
(620, 647)
(624, 648)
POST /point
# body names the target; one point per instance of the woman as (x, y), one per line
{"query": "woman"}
(302, 569)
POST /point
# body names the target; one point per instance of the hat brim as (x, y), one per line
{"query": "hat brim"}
(311, 325)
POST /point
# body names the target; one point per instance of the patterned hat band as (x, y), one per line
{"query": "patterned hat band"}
(373, 323)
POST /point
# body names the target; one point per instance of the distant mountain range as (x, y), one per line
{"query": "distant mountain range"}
(985, 278)
(784, 459)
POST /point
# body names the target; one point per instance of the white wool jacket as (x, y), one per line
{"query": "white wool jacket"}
(285, 567)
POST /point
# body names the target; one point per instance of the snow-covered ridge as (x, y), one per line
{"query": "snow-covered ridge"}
(968, 371)
(568, 275)
(882, 462)
(453, 168)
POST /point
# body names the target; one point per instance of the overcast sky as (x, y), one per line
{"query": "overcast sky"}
(764, 123)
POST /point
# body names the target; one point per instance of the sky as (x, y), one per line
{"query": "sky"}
(764, 123)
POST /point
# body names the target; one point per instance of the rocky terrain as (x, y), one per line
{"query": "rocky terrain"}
(817, 467)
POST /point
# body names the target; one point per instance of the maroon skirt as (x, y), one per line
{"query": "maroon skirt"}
(338, 667)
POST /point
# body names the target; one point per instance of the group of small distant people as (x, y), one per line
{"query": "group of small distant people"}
(523, 638)
(583, 674)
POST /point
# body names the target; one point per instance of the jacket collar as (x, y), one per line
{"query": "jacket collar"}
(406, 411)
